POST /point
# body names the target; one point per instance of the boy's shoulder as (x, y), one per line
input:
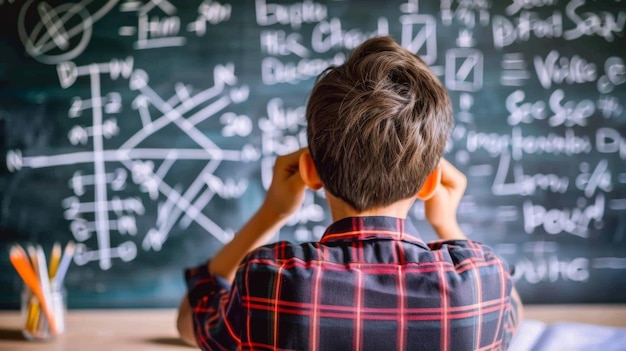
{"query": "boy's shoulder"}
(461, 252)
(287, 253)
(281, 251)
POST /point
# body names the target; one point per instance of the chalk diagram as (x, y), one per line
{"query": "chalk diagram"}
(99, 207)
(60, 33)
(144, 167)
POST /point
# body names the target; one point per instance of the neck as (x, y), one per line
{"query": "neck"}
(340, 209)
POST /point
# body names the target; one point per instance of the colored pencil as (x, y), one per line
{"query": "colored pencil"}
(68, 253)
(55, 257)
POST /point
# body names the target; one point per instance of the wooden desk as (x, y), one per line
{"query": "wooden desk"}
(138, 330)
(99, 330)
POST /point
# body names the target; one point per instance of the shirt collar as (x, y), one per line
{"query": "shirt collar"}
(373, 227)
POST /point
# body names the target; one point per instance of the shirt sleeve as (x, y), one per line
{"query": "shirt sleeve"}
(469, 248)
(513, 320)
(216, 309)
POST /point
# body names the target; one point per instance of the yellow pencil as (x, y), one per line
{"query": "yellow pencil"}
(33, 314)
(55, 258)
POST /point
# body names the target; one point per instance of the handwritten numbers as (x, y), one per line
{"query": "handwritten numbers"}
(235, 125)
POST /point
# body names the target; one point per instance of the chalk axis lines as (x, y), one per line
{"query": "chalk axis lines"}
(182, 206)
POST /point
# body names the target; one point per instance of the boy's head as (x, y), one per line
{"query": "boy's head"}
(377, 125)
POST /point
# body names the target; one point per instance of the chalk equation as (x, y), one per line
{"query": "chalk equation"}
(545, 262)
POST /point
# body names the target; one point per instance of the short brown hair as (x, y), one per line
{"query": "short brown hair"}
(377, 125)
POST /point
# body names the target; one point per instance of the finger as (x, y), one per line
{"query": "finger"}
(295, 155)
(289, 160)
(451, 177)
(295, 181)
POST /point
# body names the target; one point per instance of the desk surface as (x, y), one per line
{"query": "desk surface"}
(121, 330)
(97, 330)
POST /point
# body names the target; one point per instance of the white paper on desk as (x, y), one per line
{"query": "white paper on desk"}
(580, 336)
(528, 332)
(537, 336)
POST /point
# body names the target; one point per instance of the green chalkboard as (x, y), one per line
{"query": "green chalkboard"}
(145, 131)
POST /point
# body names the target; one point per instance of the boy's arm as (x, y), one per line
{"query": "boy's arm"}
(518, 309)
(441, 214)
(283, 198)
(184, 322)
(441, 208)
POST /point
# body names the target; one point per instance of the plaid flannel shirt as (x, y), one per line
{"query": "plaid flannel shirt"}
(370, 284)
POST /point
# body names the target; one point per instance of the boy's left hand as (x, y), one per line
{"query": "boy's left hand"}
(286, 192)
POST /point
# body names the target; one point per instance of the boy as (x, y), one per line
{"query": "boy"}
(376, 127)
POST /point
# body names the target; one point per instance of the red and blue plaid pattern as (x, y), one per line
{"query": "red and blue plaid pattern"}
(370, 284)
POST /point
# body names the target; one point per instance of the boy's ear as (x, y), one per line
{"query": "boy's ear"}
(430, 185)
(308, 172)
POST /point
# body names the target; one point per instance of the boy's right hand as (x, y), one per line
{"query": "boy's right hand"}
(286, 192)
(283, 198)
(442, 206)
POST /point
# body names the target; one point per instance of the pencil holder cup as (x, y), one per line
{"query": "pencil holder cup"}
(37, 320)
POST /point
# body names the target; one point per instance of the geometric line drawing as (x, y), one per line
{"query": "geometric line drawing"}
(52, 38)
(146, 167)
